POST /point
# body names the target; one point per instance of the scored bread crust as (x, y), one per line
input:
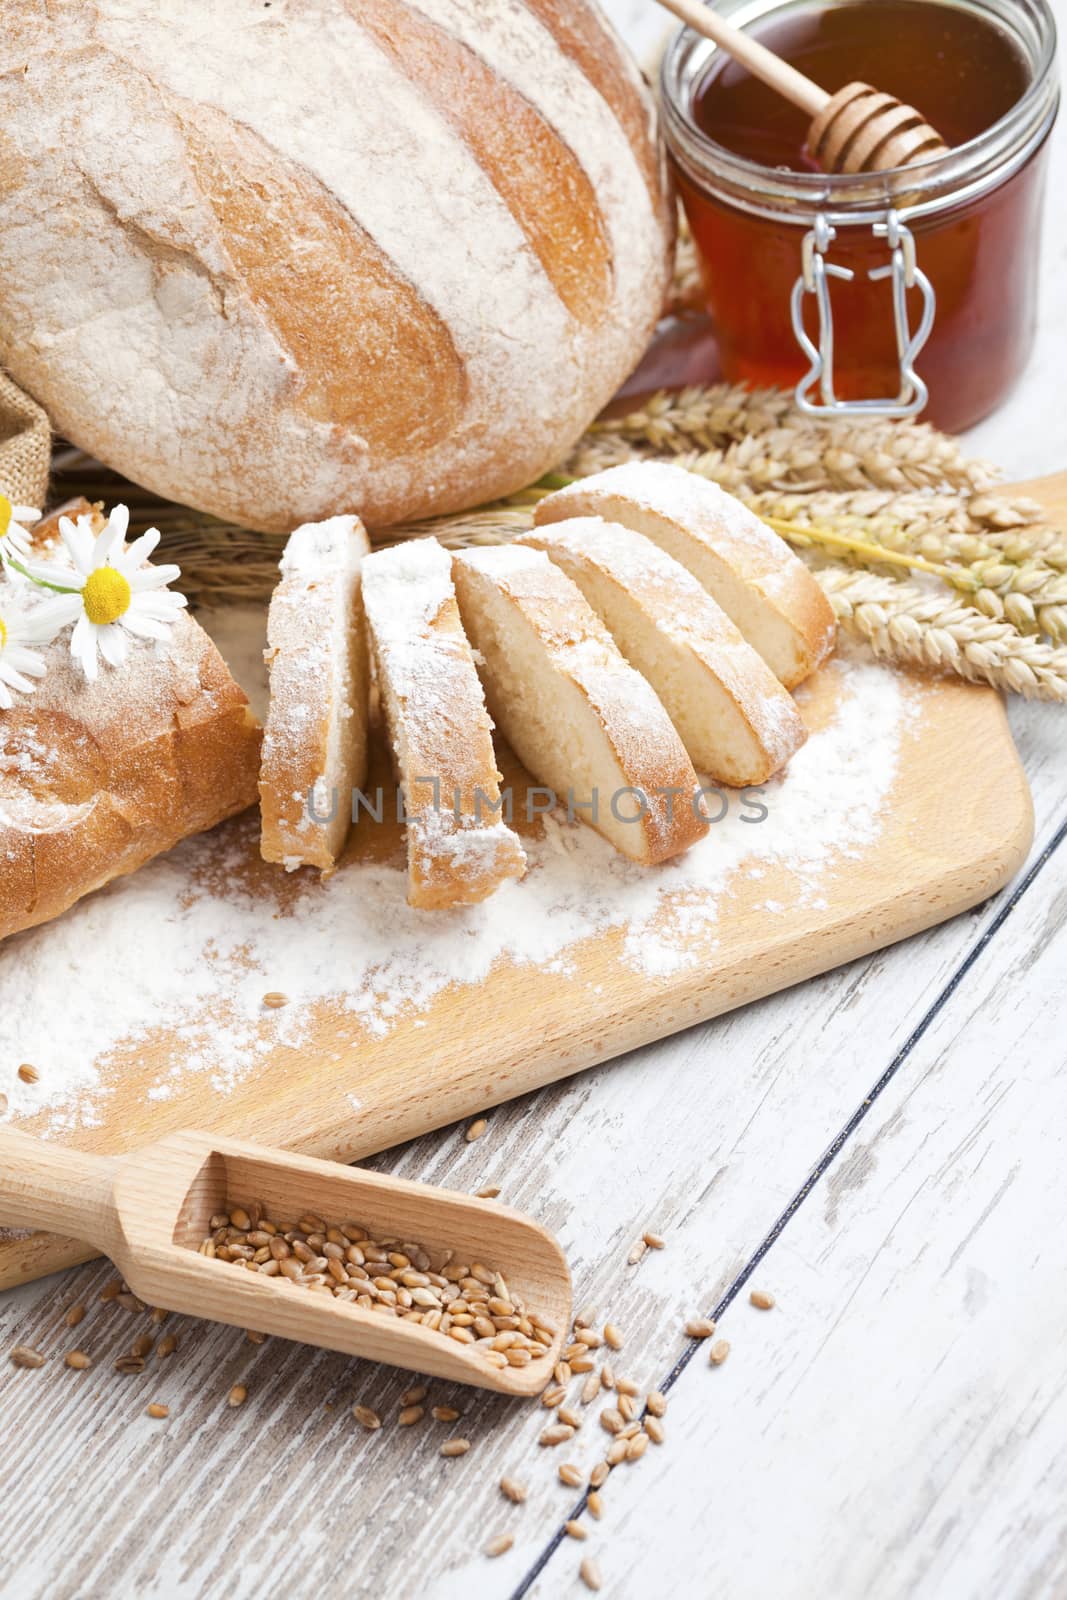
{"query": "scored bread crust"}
(636, 729)
(384, 255)
(786, 615)
(693, 628)
(315, 738)
(459, 848)
(97, 778)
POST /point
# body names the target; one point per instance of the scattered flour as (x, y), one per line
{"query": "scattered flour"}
(185, 949)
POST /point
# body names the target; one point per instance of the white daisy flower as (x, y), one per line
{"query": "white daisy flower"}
(15, 539)
(18, 664)
(111, 593)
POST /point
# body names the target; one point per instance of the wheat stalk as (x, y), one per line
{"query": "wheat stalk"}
(757, 436)
(879, 497)
(901, 622)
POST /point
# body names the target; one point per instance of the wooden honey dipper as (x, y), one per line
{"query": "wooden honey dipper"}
(858, 129)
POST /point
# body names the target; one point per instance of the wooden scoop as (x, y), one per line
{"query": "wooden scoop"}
(150, 1212)
(857, 129)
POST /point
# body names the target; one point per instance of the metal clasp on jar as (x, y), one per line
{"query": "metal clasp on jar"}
(816, 271)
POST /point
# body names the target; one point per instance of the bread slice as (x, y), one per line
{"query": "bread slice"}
(315, 741)
(736, 721)
(757, 580)
(459, 848)
(580, 718)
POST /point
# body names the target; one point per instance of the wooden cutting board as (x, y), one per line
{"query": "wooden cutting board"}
(956, 824)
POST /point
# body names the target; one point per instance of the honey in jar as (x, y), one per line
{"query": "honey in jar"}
(955, 240)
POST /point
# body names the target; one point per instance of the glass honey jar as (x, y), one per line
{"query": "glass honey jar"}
(898, 293)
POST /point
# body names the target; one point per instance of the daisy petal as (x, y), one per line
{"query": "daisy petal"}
(83, 647)
(6, 701)
(144, 627)
(138, 552)
(113, 644)
(41, 625)
(119, 521)
(27, 661)
(55, 576)
(79, 542)
(153, 577)
(109, 540)
(160, 607)
(26, 513)
(17, 681)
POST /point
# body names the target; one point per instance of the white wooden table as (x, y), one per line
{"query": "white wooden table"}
(883, 1148)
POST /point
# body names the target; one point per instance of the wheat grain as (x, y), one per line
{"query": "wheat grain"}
(157, 1411)
(762, 1299)
(513, 1490)
(589, 1573)
(498, 1546)
(470, 1304)
(24, 1356)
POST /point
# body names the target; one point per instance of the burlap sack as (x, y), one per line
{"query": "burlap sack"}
(25, 446)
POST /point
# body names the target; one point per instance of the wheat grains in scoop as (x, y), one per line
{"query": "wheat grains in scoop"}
(462, 1300)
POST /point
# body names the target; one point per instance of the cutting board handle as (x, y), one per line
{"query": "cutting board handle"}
(51, 1186)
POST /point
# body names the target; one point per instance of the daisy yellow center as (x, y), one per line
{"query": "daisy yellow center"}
(5, 514)
(3, 628)
(106, 596)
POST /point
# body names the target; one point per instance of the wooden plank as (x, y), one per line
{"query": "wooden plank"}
(895, 1426)
(704, 1136)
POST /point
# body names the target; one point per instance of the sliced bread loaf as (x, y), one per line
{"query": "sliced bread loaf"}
(315, 741)
(459, 848)
(584, 723)
(736, 721)
(752, 573)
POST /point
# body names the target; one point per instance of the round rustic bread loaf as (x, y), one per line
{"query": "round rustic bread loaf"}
(280, 259)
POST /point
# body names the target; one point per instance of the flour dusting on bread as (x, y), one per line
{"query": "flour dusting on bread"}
(315, 740)
(459, 848)
(775, 601)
